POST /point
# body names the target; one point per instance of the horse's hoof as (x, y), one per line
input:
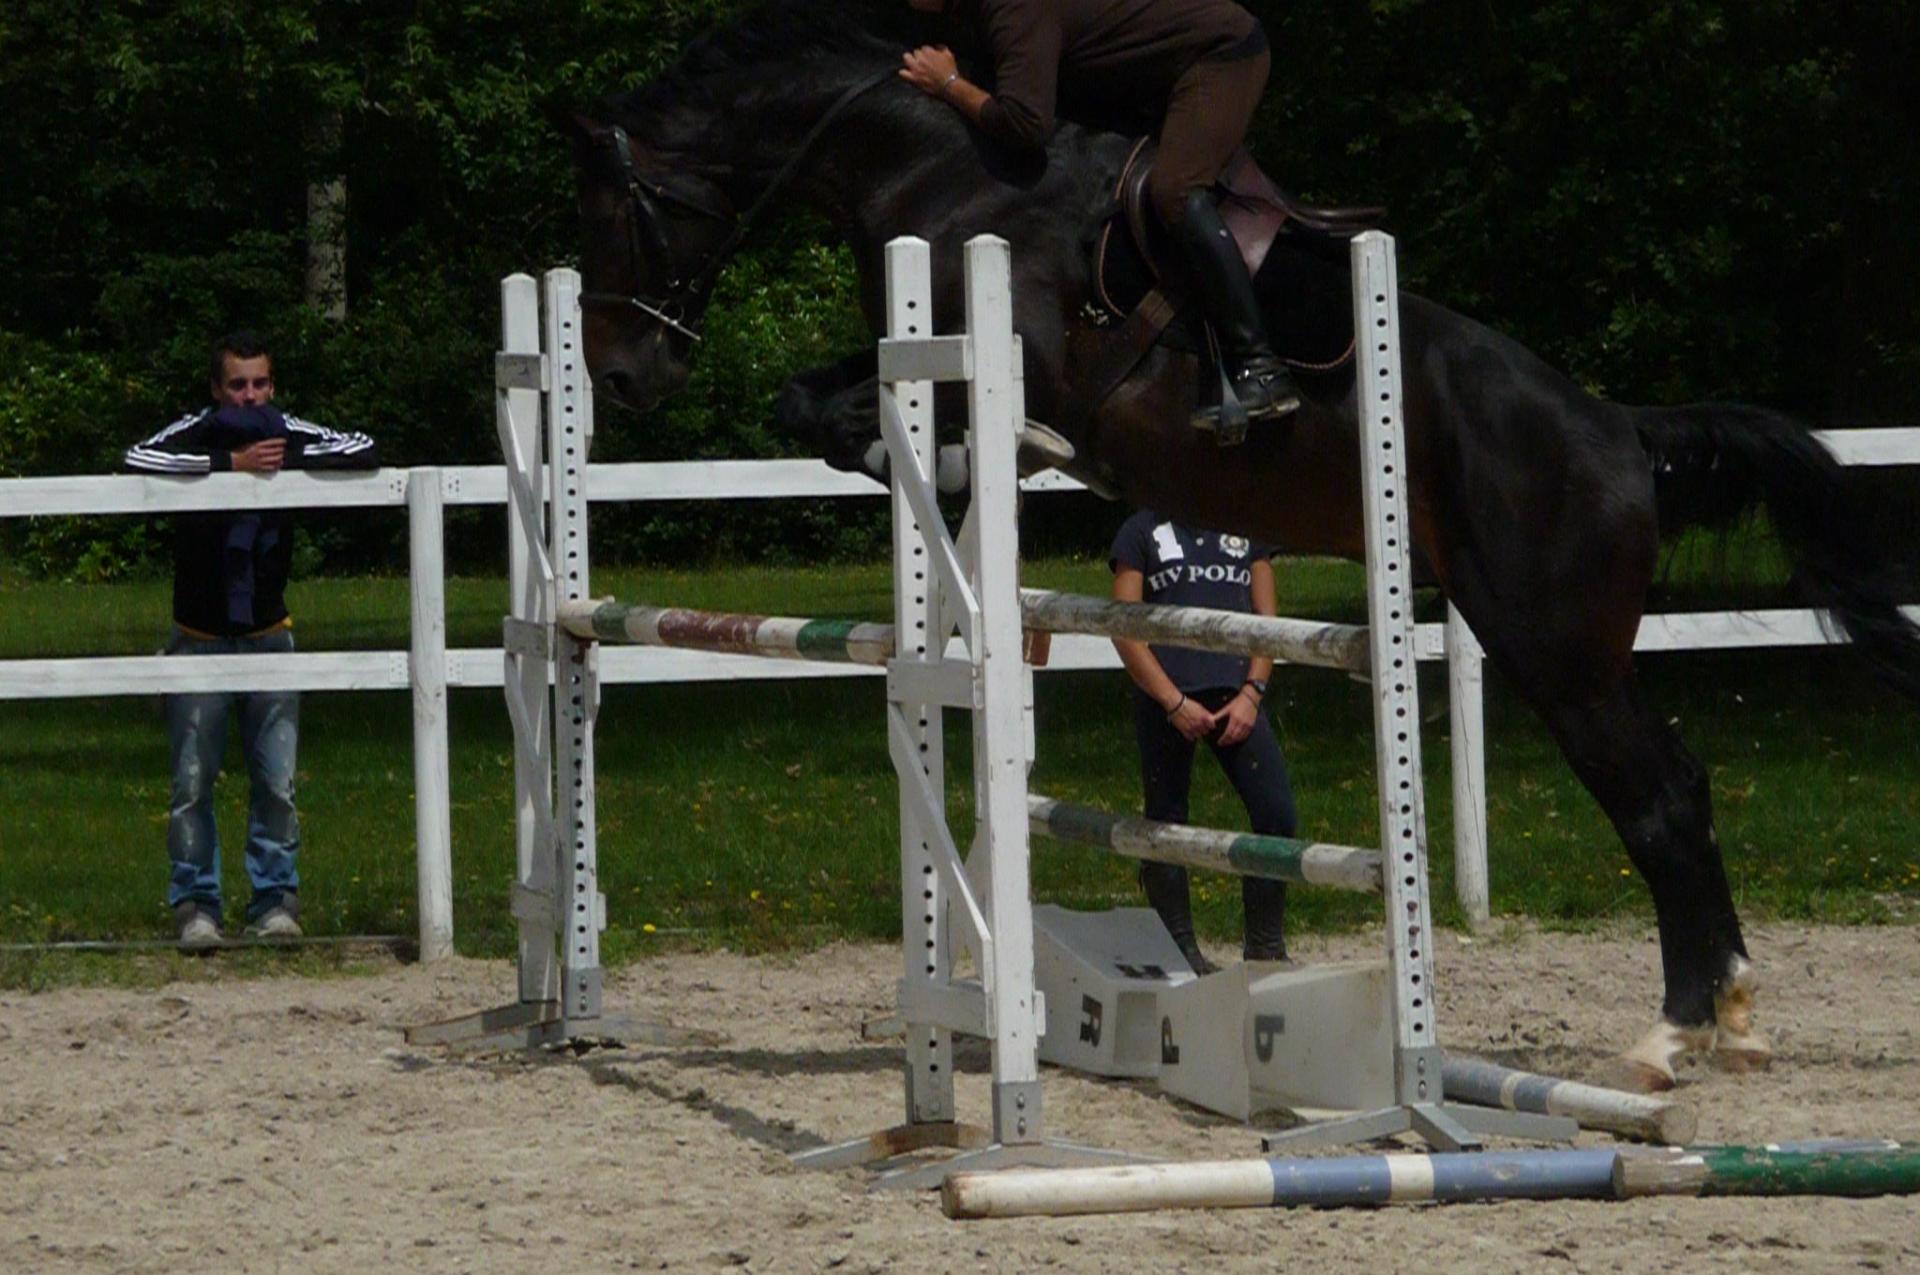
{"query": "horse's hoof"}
(1637, 1077)
(1042, 447)
(1742, 1060)
(1648, 1066)
(1737, 1047)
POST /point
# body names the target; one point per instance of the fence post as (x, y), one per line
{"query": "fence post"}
(427, 672)
(1466, 706)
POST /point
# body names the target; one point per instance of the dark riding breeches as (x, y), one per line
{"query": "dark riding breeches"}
(1258, 772)
(1206, 121)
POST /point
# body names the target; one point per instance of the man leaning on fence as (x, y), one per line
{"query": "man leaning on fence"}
(229, 577)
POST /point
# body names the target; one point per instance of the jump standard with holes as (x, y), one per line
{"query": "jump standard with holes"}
(1353, 1051)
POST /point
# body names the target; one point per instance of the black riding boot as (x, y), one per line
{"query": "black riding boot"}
(1166, 887)
(1254, 383)
(1265, 903)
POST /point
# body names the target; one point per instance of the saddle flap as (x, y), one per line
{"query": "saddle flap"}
(1245, 182)
(1313, 332)
(1256, 211)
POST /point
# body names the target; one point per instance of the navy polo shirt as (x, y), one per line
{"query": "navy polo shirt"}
(1189, 566)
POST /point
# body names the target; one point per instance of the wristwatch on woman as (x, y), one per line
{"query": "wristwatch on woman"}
(1259, 684)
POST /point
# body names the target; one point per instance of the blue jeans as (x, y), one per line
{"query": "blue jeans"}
(197, 735)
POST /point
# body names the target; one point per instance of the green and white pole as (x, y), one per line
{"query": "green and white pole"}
(1856, 1169)
(773, 636)
(1243, 854)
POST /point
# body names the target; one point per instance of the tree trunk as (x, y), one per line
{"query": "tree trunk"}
(327, 218)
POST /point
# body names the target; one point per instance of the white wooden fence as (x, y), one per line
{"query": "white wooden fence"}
(429, 668)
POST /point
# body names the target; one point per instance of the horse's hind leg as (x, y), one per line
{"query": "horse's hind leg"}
(1657, 796)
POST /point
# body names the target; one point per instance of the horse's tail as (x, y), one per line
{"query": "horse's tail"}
(1715, 462)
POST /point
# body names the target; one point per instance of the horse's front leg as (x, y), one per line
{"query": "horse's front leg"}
(836, 410)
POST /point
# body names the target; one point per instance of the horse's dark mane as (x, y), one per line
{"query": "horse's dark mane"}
(796, 34)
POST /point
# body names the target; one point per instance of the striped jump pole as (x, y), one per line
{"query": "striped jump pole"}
(1340, 646)
(1240, 853)
(1851, 1169)
(1285, 1182)
(1628, 1115)
(773, 636)
(1857, 1169)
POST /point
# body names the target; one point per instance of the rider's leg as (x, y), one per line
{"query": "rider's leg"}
(1207, 117)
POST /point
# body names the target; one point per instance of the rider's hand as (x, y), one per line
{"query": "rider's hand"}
(1191, 719)
(263, 457)
(1237, 719)
(931, 69)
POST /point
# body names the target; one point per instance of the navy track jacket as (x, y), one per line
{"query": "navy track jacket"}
(230, 569)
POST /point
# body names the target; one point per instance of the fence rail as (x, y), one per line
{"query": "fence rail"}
(428, 669)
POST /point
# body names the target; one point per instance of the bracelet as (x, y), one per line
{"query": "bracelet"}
(1175, 710)
(947, 84)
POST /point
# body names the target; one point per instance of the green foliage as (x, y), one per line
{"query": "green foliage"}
(63, 411)
(787, 306)
(1687, 200)
(1694, 199)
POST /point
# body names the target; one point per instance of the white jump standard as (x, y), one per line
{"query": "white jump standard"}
(552, 693)
(969, 950)
(944, 587)
(965, 587)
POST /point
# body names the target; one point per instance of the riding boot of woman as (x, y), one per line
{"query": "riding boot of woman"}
(1167, 891)
(1255, 384)
(1264, 904)
(1191, 71)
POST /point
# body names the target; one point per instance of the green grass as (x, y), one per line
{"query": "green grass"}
(762, 815)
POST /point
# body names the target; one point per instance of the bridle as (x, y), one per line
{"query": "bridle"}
(680, 308)
(644, 196)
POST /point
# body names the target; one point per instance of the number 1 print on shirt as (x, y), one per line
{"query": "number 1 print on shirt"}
(1166, 544)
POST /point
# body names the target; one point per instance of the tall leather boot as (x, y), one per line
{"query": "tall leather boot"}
(1166, 887)
(1265, 904)
(1254, 384)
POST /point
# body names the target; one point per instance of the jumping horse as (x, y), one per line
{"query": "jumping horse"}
(1538, 509)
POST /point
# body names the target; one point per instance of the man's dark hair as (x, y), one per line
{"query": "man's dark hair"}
(244, 344)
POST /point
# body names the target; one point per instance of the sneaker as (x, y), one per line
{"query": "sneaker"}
(275, 923)
(198, 929)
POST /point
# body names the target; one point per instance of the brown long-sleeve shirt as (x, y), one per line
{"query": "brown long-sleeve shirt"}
(1104, 61)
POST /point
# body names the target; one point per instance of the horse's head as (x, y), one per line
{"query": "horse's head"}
(654, 242)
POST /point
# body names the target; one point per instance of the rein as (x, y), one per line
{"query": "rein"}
(672, 310)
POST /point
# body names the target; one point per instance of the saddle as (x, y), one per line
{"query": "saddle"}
(1254, 209)
(1292, 249)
